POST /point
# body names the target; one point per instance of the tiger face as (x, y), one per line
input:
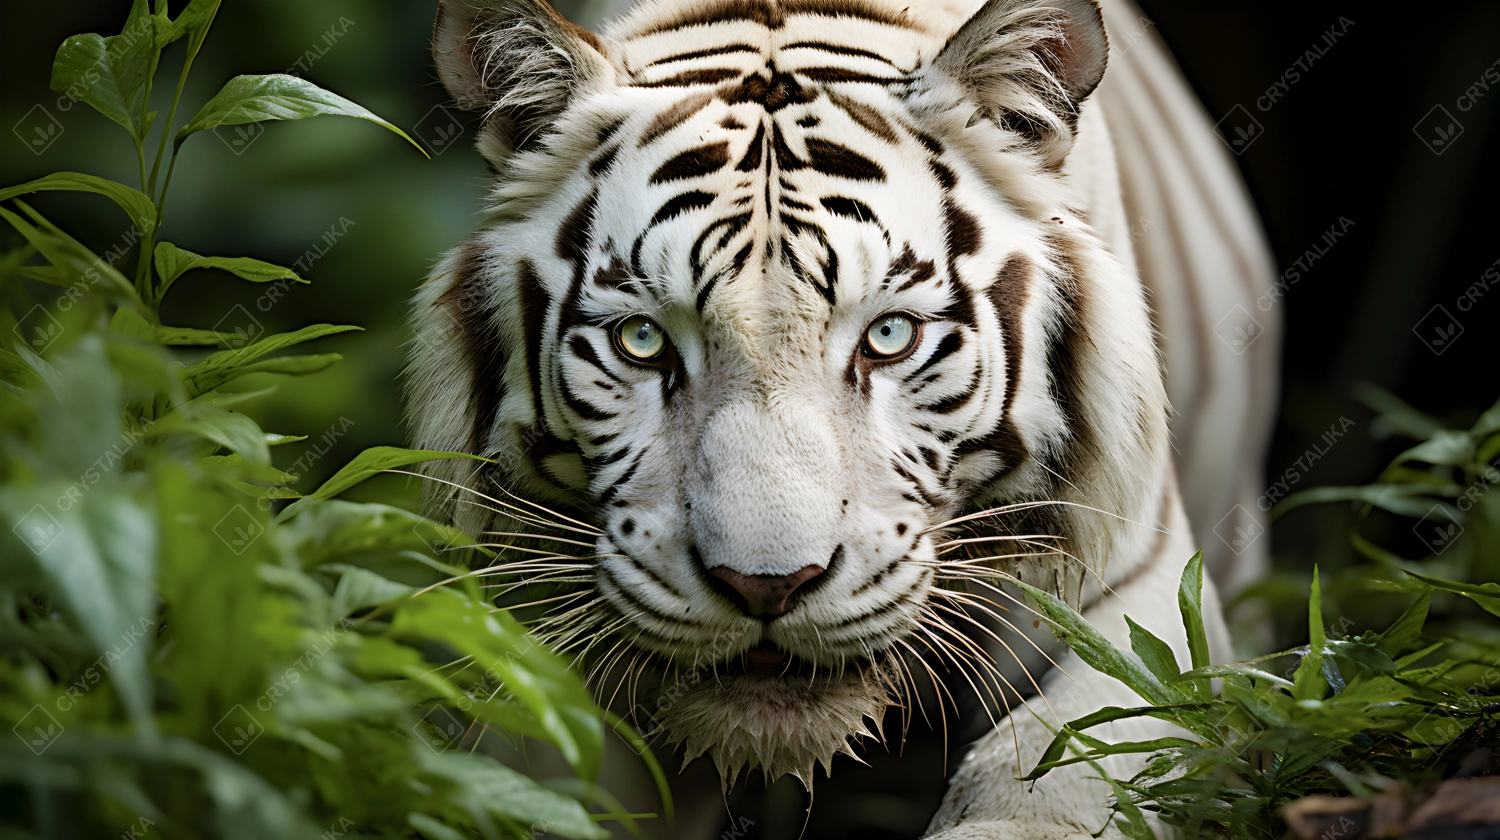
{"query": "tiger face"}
(771, 294)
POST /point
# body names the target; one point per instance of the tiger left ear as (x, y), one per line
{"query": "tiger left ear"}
(1029, 64)
(520, 62)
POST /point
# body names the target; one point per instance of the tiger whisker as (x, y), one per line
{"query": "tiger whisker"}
(587, 529)
(1030, 506)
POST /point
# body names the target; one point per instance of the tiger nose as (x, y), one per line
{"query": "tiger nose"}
(766, 596)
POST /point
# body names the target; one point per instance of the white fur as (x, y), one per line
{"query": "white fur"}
(769, 459)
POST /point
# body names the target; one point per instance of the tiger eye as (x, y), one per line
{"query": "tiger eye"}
(890, 336)
(640, 338)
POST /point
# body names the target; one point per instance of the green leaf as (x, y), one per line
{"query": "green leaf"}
(112, 74)
(252, 99)
(1190, 604)
(79, 266)
(1397, 415)
(1363, 654)
(1487, 424)
(1132, 822)
(1308, 681)
(1406, 632)
(368, 463)
(172, 261)
(229, 364)
(189, 337)
(195, 19)
(287, 365)
(342, 531)
(1403, 499)
(1445, 447)
(135, 203)
(1073, 729)
(1154, 653)
(487, 786)
(235, 432)
(99, 558)
(360, 589)
(1486, 595)
(1097, 651)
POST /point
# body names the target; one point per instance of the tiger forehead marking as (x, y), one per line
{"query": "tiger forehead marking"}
(770, 295)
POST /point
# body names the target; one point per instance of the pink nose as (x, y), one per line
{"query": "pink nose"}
(765, 595)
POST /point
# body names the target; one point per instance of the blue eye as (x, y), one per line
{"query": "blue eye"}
(891, 336)
(640, 338)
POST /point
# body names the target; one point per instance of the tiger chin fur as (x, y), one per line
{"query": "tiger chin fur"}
(764, 180)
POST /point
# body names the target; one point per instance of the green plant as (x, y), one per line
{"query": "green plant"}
(174, 654)
(1338, 716)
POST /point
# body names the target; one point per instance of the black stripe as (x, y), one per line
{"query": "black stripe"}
(753, 155)
(688, 201)
(837, 49)
(773, 14)
(841, 162)
(643, 607)
(674, 116)
(694, 163)
(573, 240)
(731, 228)
(868, 118)
(850, 208)
(614, 489)
(920, 270)
(534, 305)
(478, 331)
(945, 176)
(609, 130)
(585, 351)
(581, 407)
(836, 75)
(689, 56)
(707, 76)
(948, 405)
(951, 343)
(603, 162)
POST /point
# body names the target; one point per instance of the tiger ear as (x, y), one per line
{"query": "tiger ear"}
(519, 62)
(1029, 64)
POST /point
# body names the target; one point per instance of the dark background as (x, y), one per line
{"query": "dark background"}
(1342, 143)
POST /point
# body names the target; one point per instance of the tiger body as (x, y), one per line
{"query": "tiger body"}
(752, 190)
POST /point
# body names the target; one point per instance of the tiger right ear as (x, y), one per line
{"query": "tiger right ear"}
(518, 61)
(1028, 64)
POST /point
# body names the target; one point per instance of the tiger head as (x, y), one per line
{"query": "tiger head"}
(770, 293)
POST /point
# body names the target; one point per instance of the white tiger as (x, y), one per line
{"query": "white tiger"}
(774, 294)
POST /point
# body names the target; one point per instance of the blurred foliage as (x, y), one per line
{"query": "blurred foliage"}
(174, 655)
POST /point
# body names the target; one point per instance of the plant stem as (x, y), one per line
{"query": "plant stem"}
(166, 129)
